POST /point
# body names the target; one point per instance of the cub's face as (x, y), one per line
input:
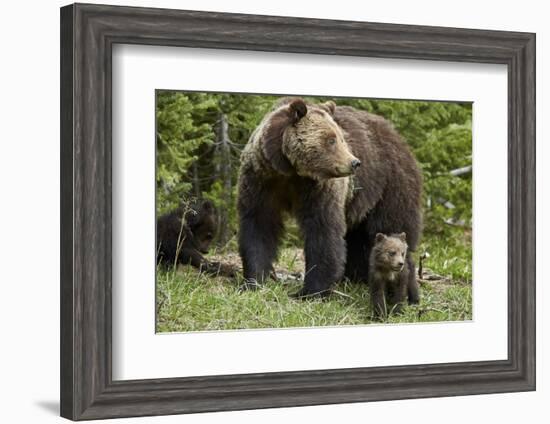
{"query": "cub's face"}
(316, 148)
(203, 234)
(203, 227)
(390, 252)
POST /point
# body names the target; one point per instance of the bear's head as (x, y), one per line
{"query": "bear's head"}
(201, 220)
(390, 252)
(304, 139)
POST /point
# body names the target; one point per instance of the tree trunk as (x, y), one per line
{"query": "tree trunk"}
(225, 179)
(196, 180)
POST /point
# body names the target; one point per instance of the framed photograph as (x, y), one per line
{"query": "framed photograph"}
(263, 212)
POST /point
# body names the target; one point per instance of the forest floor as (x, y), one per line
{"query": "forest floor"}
(189, 301)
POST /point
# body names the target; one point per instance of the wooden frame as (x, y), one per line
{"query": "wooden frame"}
(88, 33)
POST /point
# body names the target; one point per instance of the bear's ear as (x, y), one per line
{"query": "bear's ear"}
(380, 237)
(329, 106)
(192, 213)
(272, 137)
(207, 206)
(403, 237)
(298, 110)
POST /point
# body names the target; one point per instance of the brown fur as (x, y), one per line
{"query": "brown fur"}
(388, 275)
(185, 234)
(300, 160)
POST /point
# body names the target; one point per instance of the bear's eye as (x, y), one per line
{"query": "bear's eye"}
(392, 253)
(332, 141)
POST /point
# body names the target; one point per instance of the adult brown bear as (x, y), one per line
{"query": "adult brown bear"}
(345, 175)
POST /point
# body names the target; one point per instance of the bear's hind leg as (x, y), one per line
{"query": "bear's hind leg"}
(412, 285)
(357, 255)
(258, 241)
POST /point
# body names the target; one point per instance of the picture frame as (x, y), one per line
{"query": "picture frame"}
(88, 33)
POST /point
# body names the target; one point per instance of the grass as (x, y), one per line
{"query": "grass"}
(188, 301)
(450, 254)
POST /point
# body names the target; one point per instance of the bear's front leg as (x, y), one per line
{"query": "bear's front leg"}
(397, 294)
(323, 226)
(378, 298)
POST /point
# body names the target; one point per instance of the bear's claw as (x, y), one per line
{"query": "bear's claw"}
(249, 284)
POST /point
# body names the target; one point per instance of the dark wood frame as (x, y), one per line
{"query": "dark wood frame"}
(88, 33)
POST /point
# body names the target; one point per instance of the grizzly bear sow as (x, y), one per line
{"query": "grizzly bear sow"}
(345, 175)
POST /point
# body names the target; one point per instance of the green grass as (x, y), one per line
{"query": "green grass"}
(450, 254)
(188, 301)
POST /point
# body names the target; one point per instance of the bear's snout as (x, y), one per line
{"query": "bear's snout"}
(347, 166)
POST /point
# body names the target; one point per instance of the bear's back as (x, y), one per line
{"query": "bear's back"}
(389, 177)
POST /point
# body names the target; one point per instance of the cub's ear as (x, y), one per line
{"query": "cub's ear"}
(192, 214)
(403, 237)
(329, 106)
(380, 237)
(272, 134)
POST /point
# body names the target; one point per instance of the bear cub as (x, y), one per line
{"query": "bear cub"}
(187, 233)
(388, 274)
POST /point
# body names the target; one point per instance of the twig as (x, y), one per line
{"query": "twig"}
(342, 294)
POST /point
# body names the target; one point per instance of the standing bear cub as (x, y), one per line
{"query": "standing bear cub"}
(343, 173)
(388, 275)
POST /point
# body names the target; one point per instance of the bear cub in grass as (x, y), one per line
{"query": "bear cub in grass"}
(187, 233)
(389, 280)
